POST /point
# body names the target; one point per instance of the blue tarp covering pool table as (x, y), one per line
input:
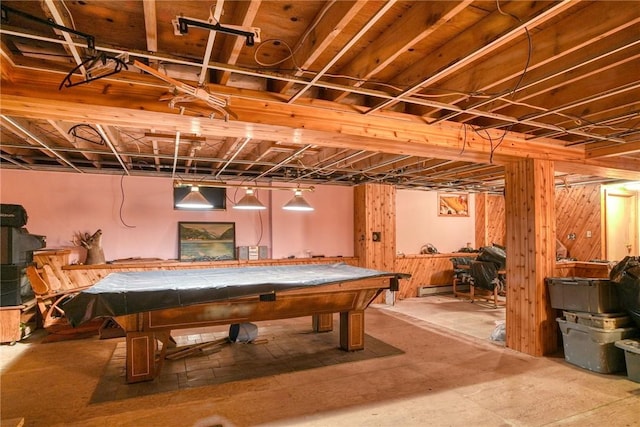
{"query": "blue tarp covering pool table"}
(124, 293)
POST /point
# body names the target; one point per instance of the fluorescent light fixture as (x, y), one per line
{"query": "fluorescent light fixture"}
(298, 203)
(249, 202)
(194, 200)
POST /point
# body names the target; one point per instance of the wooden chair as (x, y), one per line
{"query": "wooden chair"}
(487, 282)
(461, 276)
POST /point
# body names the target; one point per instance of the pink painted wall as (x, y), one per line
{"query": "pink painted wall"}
(418, 223)
(139, 220)
(328, 230)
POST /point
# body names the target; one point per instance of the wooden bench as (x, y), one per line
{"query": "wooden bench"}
(50, 294)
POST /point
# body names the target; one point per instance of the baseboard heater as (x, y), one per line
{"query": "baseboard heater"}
(424, 291)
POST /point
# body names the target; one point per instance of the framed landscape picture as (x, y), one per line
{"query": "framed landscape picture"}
(453, 204)
(206, 241)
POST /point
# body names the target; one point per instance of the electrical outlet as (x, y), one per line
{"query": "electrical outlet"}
(589, 233)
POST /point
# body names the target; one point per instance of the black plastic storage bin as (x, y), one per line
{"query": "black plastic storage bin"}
(583, 294)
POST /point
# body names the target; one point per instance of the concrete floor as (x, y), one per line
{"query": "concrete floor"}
(429, 362)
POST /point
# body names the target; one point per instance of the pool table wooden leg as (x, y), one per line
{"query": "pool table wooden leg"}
(143, 364)
(322, 322)
(352, 330)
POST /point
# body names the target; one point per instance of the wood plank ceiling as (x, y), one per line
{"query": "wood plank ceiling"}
(418, 94)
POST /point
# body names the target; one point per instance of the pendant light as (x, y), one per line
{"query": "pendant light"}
(194, 200)
(249, 202)
(297, 203)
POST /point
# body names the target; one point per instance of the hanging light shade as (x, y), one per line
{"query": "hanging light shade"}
(298, 203)
(249, 202)
(194, 200)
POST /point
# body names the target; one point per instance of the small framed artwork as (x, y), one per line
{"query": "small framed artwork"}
(453, 204)
(206, 241)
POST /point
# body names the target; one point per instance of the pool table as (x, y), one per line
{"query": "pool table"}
(148, 305)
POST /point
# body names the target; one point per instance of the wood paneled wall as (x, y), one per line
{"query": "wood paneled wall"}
(578, 210)
(425, 270)
(490, 220)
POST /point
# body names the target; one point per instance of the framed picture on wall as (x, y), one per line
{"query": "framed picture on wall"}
(206, 241)
(453, 204)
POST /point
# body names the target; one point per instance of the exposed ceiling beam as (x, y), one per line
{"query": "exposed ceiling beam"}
(385, 7)
(564, 54)
(10, 160)
(150, 24)
(244, 13)
(384, 95)
(582, 101)
(528, 89)
(107, 138)
(30, 135)
(70, 45)
(297, 122)
(318, 37)
(486, 49)
(215, 16)
(613, 150)
(285, 161)
(397, 40)
(239, 149)
(63, 130)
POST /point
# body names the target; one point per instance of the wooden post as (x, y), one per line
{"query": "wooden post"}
(375, 229)
(375, 212)
(530, 241)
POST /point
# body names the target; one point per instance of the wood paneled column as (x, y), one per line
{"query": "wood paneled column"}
(375, 212)
(530, 242)
(374, 227)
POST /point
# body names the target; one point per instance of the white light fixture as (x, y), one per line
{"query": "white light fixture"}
(194, 200)
(297, 203)
(249, 202)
